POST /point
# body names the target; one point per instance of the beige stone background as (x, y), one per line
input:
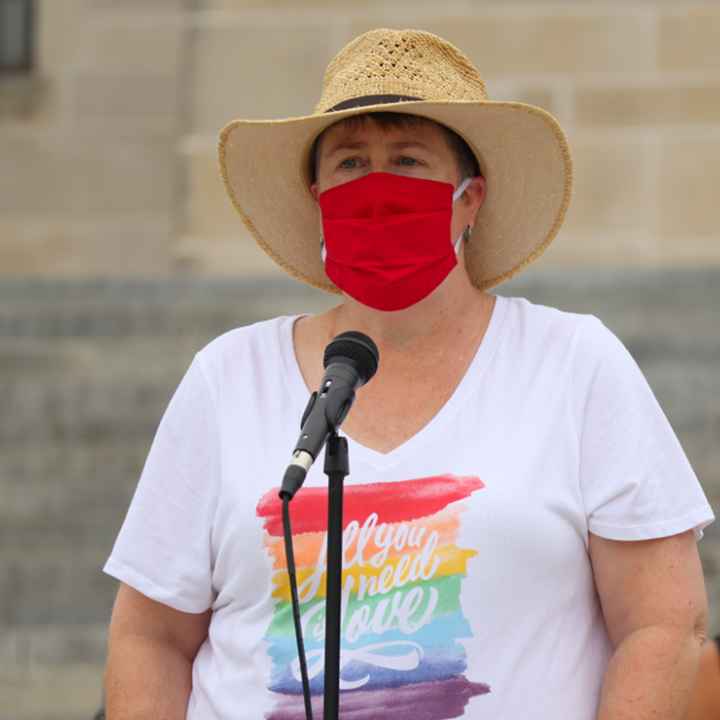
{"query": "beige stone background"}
(120, 255)
(109, 148)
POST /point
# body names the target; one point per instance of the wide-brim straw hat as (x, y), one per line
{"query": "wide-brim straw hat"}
(521, 150)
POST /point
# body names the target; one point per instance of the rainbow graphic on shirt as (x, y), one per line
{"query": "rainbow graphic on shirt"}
(402, 620)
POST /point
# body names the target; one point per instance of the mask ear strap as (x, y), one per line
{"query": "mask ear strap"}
(461, 188)
(464, 236)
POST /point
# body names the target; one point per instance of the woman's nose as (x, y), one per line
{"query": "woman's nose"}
(379, 164)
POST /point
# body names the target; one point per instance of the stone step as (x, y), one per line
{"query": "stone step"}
(77, 410)
(122, 400)
(647, 301)
(55, 359)
(32, 646)
(92, 520)
(93, 464)
(52, 483)
(55, 584)
(58, 692)
(162, 308)
(87, 368)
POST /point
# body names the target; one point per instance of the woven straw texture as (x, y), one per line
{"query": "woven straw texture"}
(409, 63)
(521, 150)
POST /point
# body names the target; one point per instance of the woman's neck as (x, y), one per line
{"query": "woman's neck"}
(435, 323)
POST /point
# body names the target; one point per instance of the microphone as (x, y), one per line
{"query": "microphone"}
(350, 360)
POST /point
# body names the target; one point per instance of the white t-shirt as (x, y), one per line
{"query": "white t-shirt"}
(468, 590)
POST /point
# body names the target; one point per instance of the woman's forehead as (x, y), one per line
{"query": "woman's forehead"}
(359, 125)
(358, 130)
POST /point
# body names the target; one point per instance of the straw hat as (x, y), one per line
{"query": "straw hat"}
(521, 151)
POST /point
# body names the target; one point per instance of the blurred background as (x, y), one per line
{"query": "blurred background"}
(120, 254)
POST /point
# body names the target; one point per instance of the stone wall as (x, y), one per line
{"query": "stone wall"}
(96, 176)
(112, 141)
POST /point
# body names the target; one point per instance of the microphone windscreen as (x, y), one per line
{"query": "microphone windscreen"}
(356, 346)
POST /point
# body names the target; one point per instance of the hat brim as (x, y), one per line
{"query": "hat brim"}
(521, 149)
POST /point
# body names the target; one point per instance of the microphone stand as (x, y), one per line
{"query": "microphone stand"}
(350, 360)
(336, 468)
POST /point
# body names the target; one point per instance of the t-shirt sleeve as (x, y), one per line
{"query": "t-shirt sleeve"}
(636, 480)
(163, 549)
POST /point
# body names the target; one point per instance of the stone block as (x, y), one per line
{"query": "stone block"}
(25, 99)
(281, 5)
(261, 70)
(236, 255)
(53, 645)
(72, 176)
(57, 693)
(534, 94)
(613, 204)
(540, 40)
(62, 31)
(57, 246)
(73, 493)
(75, 410)
(688, 39)
(153, 6)
(118, 96)
(125, 177)
(689, 181)
(679, 250)
(69, 492)
(63, 584)
(357, 8)
(215, 239)
(576, 249)
(209, 208)
(662, 105)
(126, 46)
(125, 68)
(35, 175)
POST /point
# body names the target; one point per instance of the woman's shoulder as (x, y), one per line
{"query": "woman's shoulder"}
(258, 345)
(244, 334)
(583, 337)
(540, 320)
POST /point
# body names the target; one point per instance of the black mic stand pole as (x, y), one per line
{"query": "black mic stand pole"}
(336, 467)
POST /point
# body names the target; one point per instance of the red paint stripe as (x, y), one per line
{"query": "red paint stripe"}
(393, 502)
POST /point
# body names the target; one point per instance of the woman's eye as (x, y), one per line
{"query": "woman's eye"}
(347, 163)
(404, 158)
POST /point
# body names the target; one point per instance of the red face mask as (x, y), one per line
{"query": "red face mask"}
(387, 237)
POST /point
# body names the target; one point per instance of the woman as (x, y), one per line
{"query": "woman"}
(521, 522)
(705, 699)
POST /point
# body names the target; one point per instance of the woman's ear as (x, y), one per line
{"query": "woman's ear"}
(314, 191)
(477, 190)
(476, 194)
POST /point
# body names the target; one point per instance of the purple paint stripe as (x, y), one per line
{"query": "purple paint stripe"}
(438, 700)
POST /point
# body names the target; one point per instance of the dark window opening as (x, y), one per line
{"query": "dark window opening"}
(16, 35)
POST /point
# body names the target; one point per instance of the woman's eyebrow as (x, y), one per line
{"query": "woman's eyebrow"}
(399, 145)
(345, 145)
(403, 144)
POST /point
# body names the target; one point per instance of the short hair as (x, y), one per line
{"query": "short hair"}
(465, 159)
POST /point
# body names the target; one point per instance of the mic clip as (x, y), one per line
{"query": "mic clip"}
(334, 409)
(308, 408)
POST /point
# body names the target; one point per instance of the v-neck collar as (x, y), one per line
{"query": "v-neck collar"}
(469, 382)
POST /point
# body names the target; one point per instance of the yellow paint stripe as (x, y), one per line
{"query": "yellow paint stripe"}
(452, 561)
